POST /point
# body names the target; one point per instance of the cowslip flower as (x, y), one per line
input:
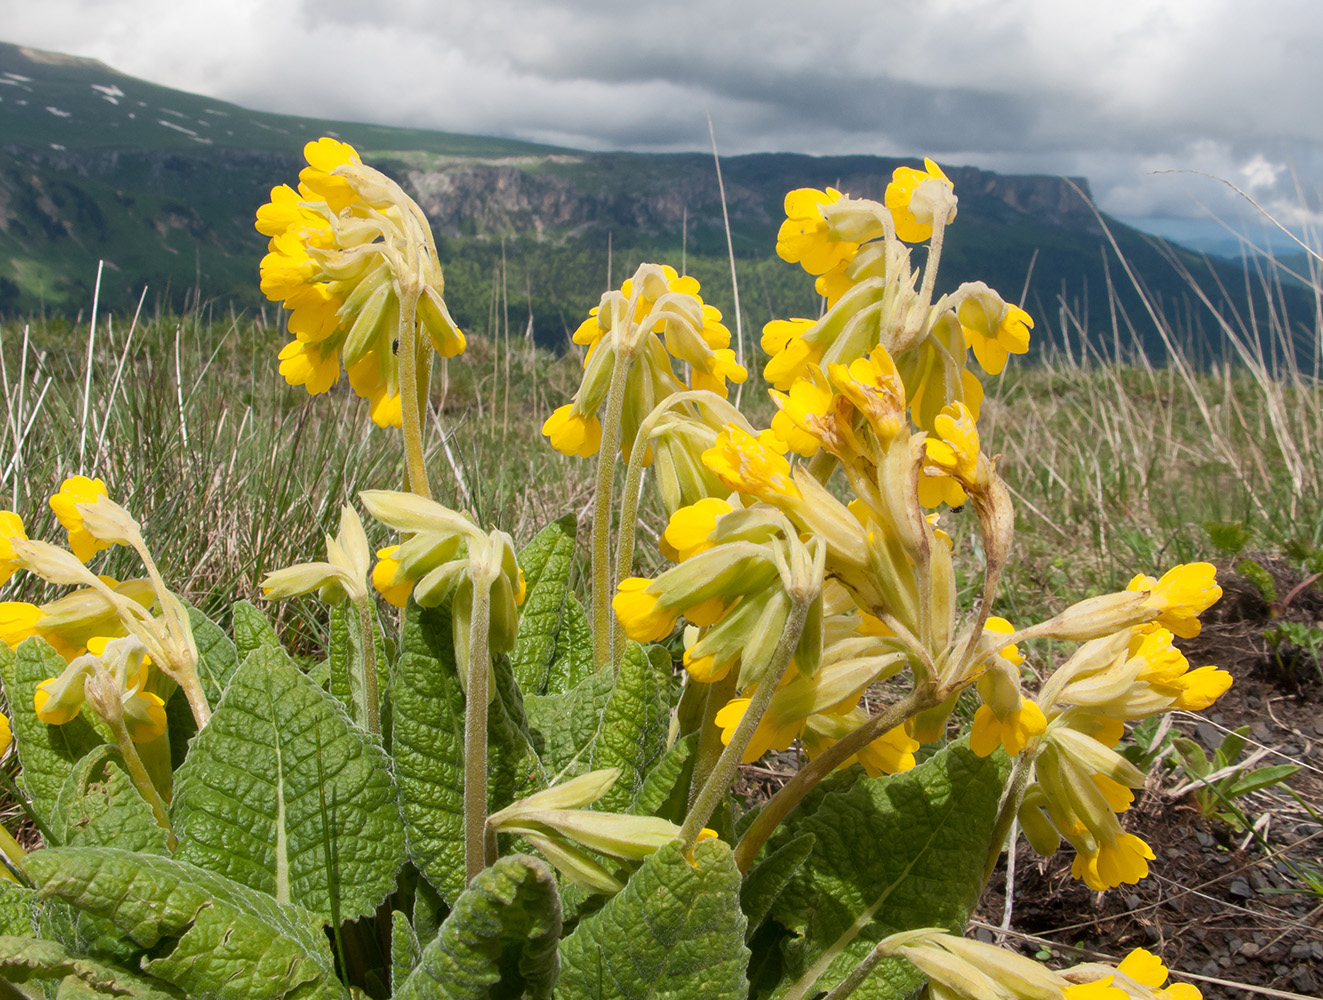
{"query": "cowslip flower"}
(1006, 718)
(891, 753)
(952, 463)
(11, 527)
(748, 465)
(354, 261)
(119, 669)
(805, 238)
(73, 491)
(919, 200)
(6, 735)
(993, 328)
(689, 531)
(1181, 596)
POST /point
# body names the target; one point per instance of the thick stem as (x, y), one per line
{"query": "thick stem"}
(475, 734)
(728, 765)
(603, 620)
(1010, 808)
(851, 982)
(142, 780)
(793, 792)
(410, 403)
(371, 696)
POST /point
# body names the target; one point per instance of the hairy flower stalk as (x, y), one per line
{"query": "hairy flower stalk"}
(475, 726)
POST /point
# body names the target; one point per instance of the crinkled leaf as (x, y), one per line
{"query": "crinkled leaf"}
(665, 788)
(405, 951)
(675, 932)
(345, 659)
(546, 562)
(282, 793)
(47, 753)
(18, 909)
(428, 747)
(563, 726)
(573, 659)
(765, 880)
(26, 959)
(218, 659)
(208, 935)
(252, 630)
(99, 806)
(499, 940)
(892, 854)
(635, 725)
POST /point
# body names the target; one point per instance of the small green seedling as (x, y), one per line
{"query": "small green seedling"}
(1221, 781)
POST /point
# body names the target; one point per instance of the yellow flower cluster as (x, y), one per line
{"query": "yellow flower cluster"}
(353, 260)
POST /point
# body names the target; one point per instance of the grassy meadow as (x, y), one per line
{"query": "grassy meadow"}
(1116, 467)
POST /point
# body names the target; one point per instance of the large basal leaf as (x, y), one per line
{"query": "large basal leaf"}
(675, 932)
(546, 562)
(892, 854)
(282, 793)
(665, 788)
(208, 935)
(218, 659)
(345, 659)
(573, 659)
(47, 753)
(99, 806)
(634, 728)
(563, 726)
(18, 909)
(769, 877)
(252, 629)
(405, 951)
(499, 940)
(428, 747)
(27, 959)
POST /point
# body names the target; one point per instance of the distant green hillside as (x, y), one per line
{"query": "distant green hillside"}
(163, 185)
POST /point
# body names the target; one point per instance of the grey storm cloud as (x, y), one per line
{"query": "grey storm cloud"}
(1115, 91)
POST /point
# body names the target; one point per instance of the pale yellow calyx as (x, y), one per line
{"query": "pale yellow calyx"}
(920, 200)
(747, 466)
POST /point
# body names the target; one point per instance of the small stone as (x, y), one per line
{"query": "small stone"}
(1209, 735)
(1239, 887)
(1205, 839)
(1258, 882)
(1249, 949)
(1316, 949)
(1132, 901)
(1304, 980)
(1300, 950)
(984, 935)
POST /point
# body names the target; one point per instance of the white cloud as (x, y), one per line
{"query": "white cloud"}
(1111, 91)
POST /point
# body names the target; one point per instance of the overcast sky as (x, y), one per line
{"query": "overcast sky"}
(1112, 90)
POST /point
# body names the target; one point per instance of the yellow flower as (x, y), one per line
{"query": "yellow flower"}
(73, 491)
(992, 328)
(1183, 593)
(1099, 989)
(918, 199)
(746, 465)
(805, 238)
(11, 527)
(6, 735)
(690, 528)
(638, 613)
(387, 581)
(773, 732)
(1012, 732)
(316, 179)
(807, 418)
(1124, 860)
(951, 459)
(1144, 967)
(1165, 668)
(890, 753)
(309, 366)
(874, 388)
(573, 433)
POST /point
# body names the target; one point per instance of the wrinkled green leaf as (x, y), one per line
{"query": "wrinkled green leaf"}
(573, 659)
(635, 725)
(99, 806)
(563, 726)
(18, 909)
(47, 753)
(208, 935)
(499, 940)
(345, 659)
(665, 788)
(892, 854)
(277, 757)
(27, 959)
(546, 562)
(675, 932)
(218, 659)
(765, 880)
(405, 951)
(428, 747)
(252, 630)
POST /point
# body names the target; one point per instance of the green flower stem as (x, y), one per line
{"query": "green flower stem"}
(728, 765)
(142, 780)
(851, 982)
(413, 396)
(369, 660)
(10, 848)
(793, 792)
(475, 735)
(1010, 808)
(709, 733)
(603, 620)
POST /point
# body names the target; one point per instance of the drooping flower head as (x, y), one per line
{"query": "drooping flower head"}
(73, 491)
(920, 199)
(350, 254)
(992, 327)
